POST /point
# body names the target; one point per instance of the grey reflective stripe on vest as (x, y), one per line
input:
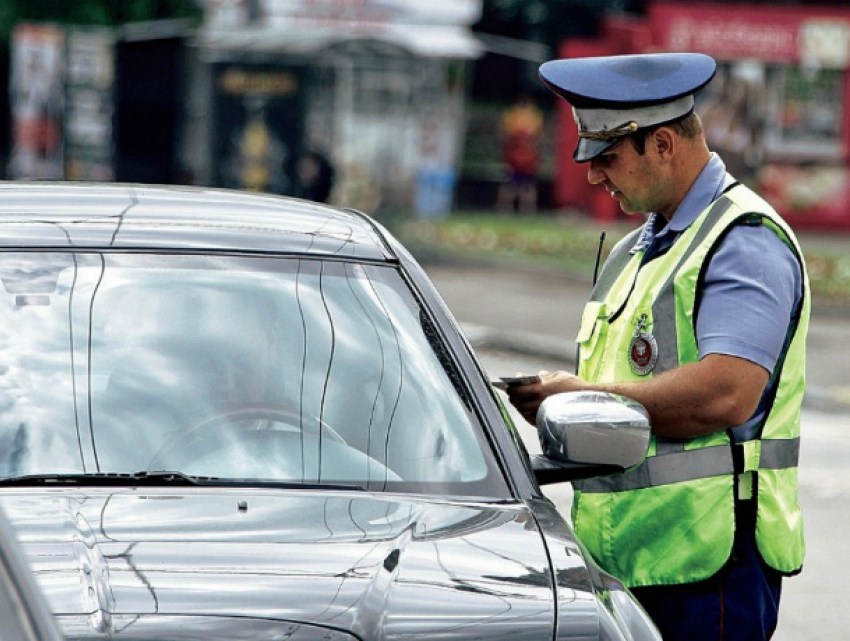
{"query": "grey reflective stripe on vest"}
(664, 307)
(779, 454)
(692, 465)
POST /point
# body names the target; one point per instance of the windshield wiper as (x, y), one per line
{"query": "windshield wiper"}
(106, 478)
(162, 478)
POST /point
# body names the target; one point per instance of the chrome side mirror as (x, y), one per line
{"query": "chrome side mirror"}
(586, 434)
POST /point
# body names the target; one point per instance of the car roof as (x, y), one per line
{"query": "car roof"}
(100, 216)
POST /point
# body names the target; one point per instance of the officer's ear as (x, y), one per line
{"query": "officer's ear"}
(663, 143)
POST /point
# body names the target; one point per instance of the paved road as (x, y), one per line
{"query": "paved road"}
(538, 311)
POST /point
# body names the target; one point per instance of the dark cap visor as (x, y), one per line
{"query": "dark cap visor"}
(588, 149)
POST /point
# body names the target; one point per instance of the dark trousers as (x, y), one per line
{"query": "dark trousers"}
(739, 603)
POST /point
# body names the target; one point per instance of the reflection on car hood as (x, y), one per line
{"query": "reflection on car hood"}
(377, 566)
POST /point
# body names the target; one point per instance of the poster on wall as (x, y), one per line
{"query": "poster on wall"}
(259, 123)
(36, 97)
(90, 79)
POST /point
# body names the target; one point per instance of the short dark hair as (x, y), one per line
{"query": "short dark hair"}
(689, 126)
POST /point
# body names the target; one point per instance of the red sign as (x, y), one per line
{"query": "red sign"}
(734, 32)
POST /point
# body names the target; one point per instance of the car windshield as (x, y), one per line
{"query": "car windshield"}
(252, 368)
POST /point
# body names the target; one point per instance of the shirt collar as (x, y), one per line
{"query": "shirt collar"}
(711, 182)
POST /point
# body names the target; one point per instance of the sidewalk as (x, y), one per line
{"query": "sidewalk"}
(569, 241)
(536, 312)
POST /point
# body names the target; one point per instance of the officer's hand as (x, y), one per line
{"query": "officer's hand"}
(527, 398)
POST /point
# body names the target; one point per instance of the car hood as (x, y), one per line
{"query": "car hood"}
(375, 566)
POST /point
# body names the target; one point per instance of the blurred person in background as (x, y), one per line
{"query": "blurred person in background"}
(733, 127)
(521, 127)
(314, 177)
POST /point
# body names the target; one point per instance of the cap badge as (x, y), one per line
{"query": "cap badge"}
(610, 134)
(643, 349)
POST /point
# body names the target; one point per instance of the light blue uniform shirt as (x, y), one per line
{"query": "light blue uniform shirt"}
(753, 283)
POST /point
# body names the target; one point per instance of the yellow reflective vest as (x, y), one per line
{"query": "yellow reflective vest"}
(671, 520)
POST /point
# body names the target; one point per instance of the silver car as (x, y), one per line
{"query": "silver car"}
(240, 416)
(24, 614)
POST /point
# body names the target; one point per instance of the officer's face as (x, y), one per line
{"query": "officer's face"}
(633, 180)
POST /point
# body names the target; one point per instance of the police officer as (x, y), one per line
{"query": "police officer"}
(701, 315)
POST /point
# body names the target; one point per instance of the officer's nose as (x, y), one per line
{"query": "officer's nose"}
(595, 175)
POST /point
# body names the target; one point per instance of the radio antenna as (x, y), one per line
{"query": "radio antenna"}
(598, 258)
(595, 276)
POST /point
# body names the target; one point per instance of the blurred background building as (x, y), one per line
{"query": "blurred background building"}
(778, 111)
(237, 97)
(404, 98)
(379, 87)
